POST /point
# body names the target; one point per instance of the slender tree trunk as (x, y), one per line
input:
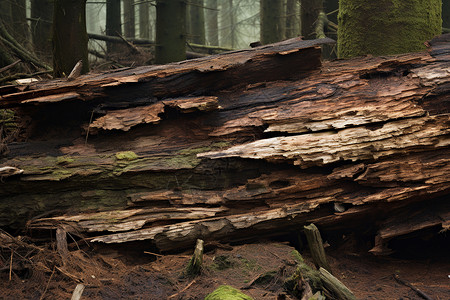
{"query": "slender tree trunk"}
(170, 31)
(292, 19)
(41, 27)
(19, 22)
(113, 26)
(5, 12)
(271, 21)
(228, 25)
(197, 21)
(69, 36)
(212, 22)
(310, 10)
(331, 6)
(144, 21)
(400, 27)
(446, 14)
(129, 18)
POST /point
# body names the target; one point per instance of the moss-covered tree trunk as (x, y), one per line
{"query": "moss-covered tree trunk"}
(144, 20)
(170, 31)
(113, 26)
(271, 21)
(197, 22)
(128, 18)
(41, 27)
(386, 26)
(310, 10)
(212, 23)
(69, 36)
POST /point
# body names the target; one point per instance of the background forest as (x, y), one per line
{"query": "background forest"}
(47, 37)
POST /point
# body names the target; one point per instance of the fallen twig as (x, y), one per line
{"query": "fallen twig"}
(176, 294)
(48, 283)
(10, 66)
(419, 292)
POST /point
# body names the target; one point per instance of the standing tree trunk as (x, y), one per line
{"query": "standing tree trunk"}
(228, 20)
(70, 40)
(197, 22)
(170, 31)
(5, 12)
(19, 22)
(41, 27)
(144, 21)
(310, 10)
(446, 14)
(271, 21)
(331, 6)
(400, 27)
(113, 27)
(128, 18)
(212, 23)
(292, 19)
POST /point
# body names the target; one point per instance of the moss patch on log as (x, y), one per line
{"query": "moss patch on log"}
(226, 292)
(387, 26)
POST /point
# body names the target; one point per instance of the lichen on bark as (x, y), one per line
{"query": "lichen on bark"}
(387, 26)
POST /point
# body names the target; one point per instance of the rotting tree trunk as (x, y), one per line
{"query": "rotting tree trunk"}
(246, 144)
(170, 31)
(400, 27)
(70, 40)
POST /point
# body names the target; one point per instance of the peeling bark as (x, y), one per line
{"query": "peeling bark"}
(216, 149)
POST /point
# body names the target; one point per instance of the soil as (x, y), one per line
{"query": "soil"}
(258, 269)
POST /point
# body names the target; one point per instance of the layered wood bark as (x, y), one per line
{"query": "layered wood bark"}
(249, 143)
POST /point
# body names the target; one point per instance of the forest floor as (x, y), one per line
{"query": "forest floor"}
(258, 269)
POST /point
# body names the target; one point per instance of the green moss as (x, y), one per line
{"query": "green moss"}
(63, 160)
(302, 271)
(226, 292)
(387, 26)
(221, 262)
(126, 155)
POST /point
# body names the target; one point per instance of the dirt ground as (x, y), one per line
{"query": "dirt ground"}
(258, 269)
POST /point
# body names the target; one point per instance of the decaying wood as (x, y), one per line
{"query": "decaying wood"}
(195, 264)
(337, 288)
(316, 248)
(245, 144)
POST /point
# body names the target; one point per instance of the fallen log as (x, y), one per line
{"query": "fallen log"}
(225, 148)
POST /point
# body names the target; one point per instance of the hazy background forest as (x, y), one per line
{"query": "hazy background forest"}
(49, 36)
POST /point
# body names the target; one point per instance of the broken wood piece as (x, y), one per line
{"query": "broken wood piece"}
(418, 292)
(61, 244)
(337, 288)
(316, 247)
(125, 119)
(7, 171)
(78, 292)
(195, 264)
